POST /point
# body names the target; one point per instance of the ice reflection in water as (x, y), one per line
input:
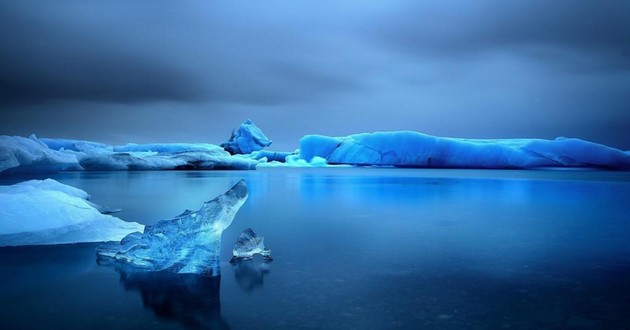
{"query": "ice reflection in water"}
(189, 299)
(249, 274)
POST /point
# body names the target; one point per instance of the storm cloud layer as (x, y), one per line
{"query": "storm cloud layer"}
(120, 71)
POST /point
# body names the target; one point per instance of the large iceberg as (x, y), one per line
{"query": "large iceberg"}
(246, 139)
(153, 156)
(48, 212)
(413, 149)
(186, 244)
(21, 155)
(244, 152)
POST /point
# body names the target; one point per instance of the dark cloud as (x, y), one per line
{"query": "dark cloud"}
(598, 31)
(63, 58)
(134, 52)
(143, 71)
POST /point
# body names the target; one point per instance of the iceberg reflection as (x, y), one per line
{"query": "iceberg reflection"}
(249, 274)
(189, 299)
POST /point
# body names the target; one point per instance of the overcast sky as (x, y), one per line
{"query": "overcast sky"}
(121, 71)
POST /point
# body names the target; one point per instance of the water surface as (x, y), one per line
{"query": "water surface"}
(354, 248)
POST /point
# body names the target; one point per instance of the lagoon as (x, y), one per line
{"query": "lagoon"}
(354, 248)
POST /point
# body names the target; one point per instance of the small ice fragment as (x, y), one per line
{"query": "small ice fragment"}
(249, 244)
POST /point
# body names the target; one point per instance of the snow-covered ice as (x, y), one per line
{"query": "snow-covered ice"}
(48, 212)
(405, 149)
(246, 139)
(192, 160)
(24, 155)
(19, 154)
(413, 149)
(187, 243)
(247, 245)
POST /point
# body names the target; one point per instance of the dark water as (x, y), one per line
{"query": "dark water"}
(354, 249)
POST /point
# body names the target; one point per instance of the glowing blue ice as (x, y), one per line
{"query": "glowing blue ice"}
(216, 159)
(188, 243)
(247, 245)
(20, 155)
(271, 156)
(246, 139)
(412, 149)
(48, 212)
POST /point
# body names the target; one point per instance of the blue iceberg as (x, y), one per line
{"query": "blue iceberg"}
(246, 139)
(19, 155)
(191, 160)
(153, 156)
(271, 156)
(48, 212)
(189, 243)
(413, 149)
(27, 155)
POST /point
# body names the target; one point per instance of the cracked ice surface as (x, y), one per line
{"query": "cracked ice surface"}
(188, 243)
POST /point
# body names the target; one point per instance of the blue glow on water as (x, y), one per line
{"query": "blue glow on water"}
(353, 248)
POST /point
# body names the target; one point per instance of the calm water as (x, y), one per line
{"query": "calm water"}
(358, 248)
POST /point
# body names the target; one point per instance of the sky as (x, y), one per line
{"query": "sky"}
(121, 71)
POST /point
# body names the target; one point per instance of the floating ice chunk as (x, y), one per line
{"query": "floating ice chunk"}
(246, 139)
(412, 149)
(48, 212)
(249, 244)
(188, 243)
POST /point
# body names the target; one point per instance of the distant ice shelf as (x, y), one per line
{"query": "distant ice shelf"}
(39, 212)
(413, 149)
(20, 154)
(28, 155)
(402, 149)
